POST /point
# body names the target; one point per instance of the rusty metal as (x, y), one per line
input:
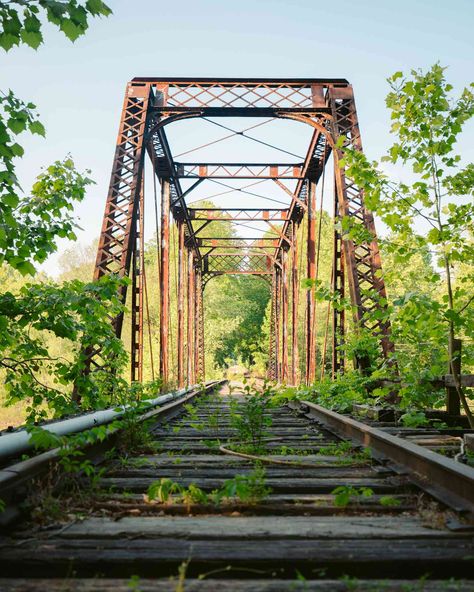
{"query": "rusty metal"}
(180, 298)
(278, 324)
(164, 280)
(284, 317)
(294, 306)
(192, 170)
(327, 106)
(442, 477)
(247, 214)
(272, 348)
(199, 327)
(191, 377)
(311, 274)
(363, 264)
(338, 287)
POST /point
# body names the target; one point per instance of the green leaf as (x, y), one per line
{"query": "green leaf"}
(10, 200)
(7, 41)
(17, 150)
(17, 125)
(32, 38)
(97, 7)
(71, 30)
(26, 268)
(36, 127)
(32, 24)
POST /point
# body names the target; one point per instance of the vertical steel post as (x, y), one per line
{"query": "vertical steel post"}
(180, 344)
(284, 316)
(134, 346)
(141, 278)
(294, 307)
(311, 274)
(272, 348)
(338, 280)
(278, 324)
(190, 334)
(198, 327)
(202, 359)
(136, 324)
(453, 404)
(164, 279)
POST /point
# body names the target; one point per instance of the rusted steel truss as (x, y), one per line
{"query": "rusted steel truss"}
(328, 107)
(210, 170)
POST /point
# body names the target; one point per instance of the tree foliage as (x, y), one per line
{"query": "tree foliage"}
(78, 316)
(432, 210)
(48, 330)
(22, 19)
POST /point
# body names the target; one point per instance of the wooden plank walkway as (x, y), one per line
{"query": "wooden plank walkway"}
(296, 538)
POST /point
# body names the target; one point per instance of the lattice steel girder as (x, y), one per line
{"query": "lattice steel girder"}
(241, 93)
(255, 242)
(362, 260)
(210, 170)
(121, 208)
(247, 214)
(237, 263)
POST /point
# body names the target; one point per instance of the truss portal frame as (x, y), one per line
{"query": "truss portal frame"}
(328, 107)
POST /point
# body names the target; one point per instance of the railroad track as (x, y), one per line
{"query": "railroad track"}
(384, 531)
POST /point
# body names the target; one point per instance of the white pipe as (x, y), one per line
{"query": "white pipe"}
(16, 443)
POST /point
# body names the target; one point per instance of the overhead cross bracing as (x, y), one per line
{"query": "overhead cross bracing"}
(265, 199)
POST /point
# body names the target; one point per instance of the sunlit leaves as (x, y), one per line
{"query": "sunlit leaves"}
(78, 315)
(21, 21)
(429, 218)
(30, 225)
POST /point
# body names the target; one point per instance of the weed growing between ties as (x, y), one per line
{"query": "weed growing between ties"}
(250, 418)
(346, 454)
(248, 489)
(69, 481)
(73, 479)
(347, 494)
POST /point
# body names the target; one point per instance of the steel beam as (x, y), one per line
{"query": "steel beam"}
(338, 287)
(294, 307)
(284, 316)
(191, 378)
(180, 298)
(199, 327)
(210, 170)
(278, 325)
(243, 214)
(311, 275)
(164, 280)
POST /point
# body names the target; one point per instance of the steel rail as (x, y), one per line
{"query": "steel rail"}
(14, 479)
(445, 479)
(19, 442)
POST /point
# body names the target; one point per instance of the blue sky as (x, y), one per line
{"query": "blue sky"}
(79, 87)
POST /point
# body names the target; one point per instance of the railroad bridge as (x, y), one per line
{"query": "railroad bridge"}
(217, 486)
(324, 107)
